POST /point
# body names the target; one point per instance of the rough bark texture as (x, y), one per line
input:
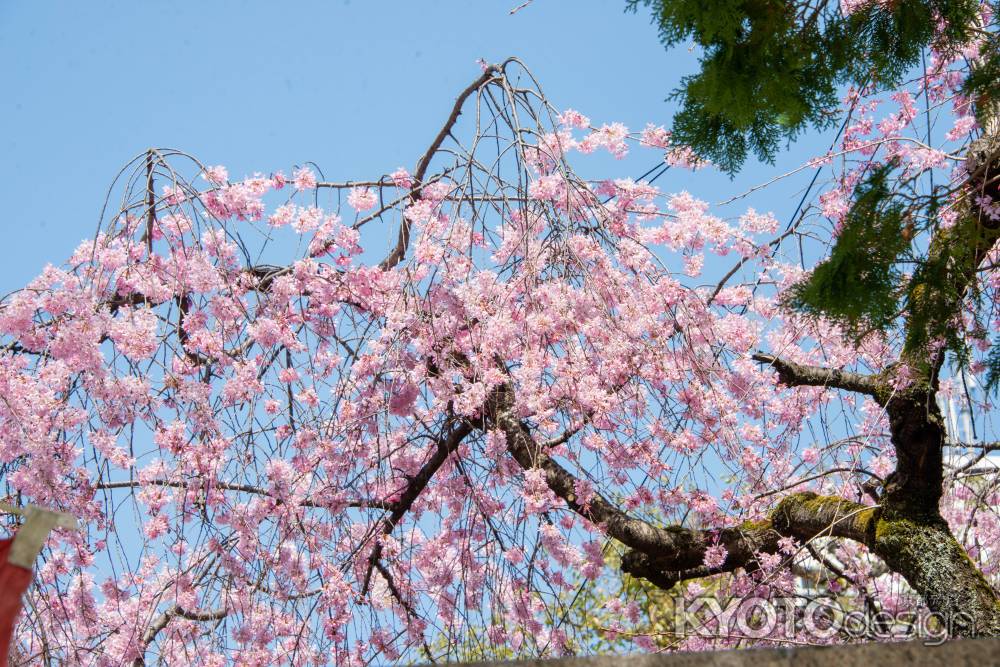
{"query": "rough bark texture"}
(937, 567)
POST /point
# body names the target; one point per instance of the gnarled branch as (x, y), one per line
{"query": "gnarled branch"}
(801, 375)
(403, 239)
(803, 516)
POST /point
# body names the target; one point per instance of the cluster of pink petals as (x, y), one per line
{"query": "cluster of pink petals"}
(254, 433)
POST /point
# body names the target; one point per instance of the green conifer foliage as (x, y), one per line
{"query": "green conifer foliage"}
(772, 68)
(858, 285)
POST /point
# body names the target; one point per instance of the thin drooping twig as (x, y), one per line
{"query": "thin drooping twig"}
(244, 488)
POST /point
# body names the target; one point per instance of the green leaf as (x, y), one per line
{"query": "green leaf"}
(859, 285)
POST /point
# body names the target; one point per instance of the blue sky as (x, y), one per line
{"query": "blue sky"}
(358, 87)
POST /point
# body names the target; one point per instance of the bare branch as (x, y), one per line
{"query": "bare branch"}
(416, 485)
(403, 240)
(242, 488)
(798, 375)
(161, 622)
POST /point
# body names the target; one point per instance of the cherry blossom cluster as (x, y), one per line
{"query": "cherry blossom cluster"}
(304, 462)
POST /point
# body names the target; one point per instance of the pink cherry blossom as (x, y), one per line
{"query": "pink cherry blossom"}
(362, 199)
(297, 438)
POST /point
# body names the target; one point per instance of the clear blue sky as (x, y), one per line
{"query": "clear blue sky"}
(358, 87)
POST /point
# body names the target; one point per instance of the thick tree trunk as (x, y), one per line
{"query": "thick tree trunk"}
(923, 550)
(910, 534)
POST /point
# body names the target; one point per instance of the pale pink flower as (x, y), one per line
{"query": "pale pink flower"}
(304, 179)
(362, 199)
(715, 556)
(401, 178)
(573, 118)
(217, 175)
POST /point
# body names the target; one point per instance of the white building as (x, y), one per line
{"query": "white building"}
(964, 429)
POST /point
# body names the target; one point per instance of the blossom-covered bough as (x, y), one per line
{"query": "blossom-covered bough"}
(288, 447)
